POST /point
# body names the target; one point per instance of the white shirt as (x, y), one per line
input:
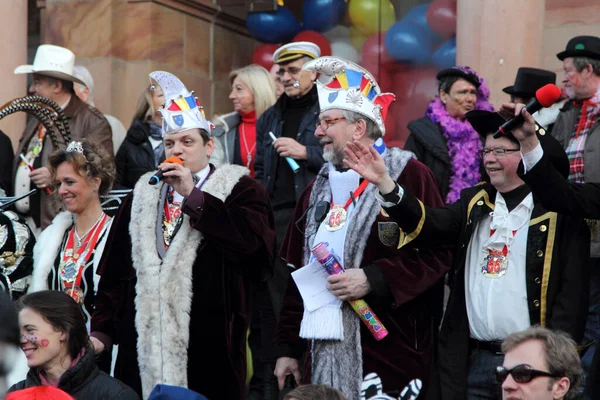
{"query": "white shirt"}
(497, 307)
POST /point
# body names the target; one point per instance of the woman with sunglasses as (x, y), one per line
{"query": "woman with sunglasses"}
(539, 364)
(55, 341)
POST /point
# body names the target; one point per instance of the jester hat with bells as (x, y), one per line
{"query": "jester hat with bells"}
(181, 111)
(345, 85)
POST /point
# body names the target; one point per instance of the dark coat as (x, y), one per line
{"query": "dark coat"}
(235, 250)
(405, 289)
(557, 274)
(84, 381)
(85, 121)
(265, 165)
(135, 156)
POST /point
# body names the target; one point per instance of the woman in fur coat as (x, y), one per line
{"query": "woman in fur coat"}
(67, 252)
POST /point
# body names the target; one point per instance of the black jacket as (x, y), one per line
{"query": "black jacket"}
(135, 157)
(265, 164)
(6, 160)
(557, 277)
(84, 381)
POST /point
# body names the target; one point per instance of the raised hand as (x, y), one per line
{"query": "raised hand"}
(369, 164)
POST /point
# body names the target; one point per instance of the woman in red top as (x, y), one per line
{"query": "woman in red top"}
(252, 92)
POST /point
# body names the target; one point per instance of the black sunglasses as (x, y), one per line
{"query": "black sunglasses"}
(521, 373)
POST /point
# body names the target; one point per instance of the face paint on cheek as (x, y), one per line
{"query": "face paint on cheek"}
(31, 338)
(44, 342)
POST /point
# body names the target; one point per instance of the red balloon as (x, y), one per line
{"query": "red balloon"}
(441, 17)
(390, 126)
(316, 38)
(414, 88)
(374, 49)
(263, 55)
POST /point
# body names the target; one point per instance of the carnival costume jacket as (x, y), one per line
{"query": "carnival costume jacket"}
(556, 260)
(85, 121)
(265, 164)
(182, 319)
(16, 254)
(403, 283)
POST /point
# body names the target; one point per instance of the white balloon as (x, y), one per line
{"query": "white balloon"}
(345, 50)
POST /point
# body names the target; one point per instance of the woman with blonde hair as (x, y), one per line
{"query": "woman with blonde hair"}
(252, 93)
(142, 150)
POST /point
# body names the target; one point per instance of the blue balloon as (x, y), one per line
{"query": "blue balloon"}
(418, 16)
(407, 42)
(273, 27)
(445, 56)
(322, 15)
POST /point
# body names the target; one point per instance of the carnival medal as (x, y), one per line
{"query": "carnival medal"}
(68, 271)
(336, 218)
(495, 264)
(75, 293)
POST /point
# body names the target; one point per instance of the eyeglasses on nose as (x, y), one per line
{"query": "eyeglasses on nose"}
(521, 373)
(497, 152)
(326, 123)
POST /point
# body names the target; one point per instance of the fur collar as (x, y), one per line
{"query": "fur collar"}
(164, 287)
(48, 247)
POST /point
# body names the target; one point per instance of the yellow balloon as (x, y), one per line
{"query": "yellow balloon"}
(357, 38)
(365, 15)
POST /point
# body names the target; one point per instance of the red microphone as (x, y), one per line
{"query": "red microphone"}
(544, 97)
(158, 175)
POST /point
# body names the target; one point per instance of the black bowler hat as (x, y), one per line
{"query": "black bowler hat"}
(582, 46)
(529, 80)
(465, 73)
(487, 123)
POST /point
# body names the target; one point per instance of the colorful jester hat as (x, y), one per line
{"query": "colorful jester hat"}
(345, 85)
(181, 110)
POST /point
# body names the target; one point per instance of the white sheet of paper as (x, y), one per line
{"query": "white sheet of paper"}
(311, 281)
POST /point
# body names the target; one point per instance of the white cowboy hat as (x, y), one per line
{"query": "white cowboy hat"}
(53, 61)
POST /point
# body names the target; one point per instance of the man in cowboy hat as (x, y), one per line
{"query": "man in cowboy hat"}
(337, 209)
(52, 73)
(527, 82)
(577, 128)
(515, 263)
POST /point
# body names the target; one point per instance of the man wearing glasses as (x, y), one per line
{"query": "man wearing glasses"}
(515, 263)
(341, 210)
(539, 364)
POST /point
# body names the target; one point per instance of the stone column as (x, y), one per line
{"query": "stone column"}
(496, 37)
(14, 50)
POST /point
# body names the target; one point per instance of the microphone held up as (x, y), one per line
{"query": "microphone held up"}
(159, 175)
(544, 97)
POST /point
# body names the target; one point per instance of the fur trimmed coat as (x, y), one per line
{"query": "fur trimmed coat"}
(182, 319)
(405, 285)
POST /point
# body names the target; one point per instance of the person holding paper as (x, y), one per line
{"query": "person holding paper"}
(517, 264)
(401, 286)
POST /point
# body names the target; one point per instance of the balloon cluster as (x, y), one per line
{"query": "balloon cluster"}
(402, 54)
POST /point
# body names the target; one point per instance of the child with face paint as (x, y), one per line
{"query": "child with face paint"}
(59, 353)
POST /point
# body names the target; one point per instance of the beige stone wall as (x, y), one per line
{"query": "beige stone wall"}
(121, 41)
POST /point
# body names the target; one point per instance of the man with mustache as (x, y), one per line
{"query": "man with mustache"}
(337, 208)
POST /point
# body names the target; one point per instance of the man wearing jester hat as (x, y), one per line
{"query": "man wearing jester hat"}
(396, 284)
(181, 263)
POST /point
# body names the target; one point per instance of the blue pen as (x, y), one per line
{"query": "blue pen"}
(293, 164)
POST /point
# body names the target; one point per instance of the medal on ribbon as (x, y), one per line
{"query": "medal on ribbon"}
(495, 264)
(336, 218)
(76, 294)
(69, 271)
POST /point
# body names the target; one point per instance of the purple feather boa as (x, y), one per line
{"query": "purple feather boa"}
(463, 143)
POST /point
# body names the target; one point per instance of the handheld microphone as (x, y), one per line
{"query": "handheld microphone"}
(296, 85)
(159, 175)
(544, 97)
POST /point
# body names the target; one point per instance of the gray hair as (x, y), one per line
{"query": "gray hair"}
(582, 62)
(560, 353)
(373, 131)
(82, 73)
